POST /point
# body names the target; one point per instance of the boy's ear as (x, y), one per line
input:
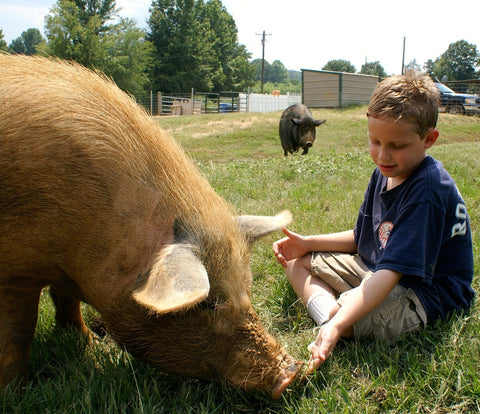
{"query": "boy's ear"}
(431, 137)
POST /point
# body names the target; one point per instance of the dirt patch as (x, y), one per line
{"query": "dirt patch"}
(222, 126)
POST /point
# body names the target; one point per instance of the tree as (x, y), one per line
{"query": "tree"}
(458, 62)
(242, 71)
(429, 67)
(27, 42)
(104, 10)
(373, 68)
(83, 31)
(128, 56)
(292, 86)
(295, 75)
(413, 65)
(71, 36)
(3, 43)
(340, 65)
(278, 73)
(195, 46)
(182, 46)
(230, 59)
(274, 73)
(256, 65)
(277, 77)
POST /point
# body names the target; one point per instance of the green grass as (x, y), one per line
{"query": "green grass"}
(436, 371)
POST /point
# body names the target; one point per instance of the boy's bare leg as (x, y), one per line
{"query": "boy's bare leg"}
(315, 294)
(324, 305)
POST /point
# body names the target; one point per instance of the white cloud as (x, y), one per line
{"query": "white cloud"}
(22, 15)
(135, 9)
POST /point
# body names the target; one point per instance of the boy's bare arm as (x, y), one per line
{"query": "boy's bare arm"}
(343, 242)
(362, 300)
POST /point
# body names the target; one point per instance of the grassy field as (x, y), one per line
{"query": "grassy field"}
(436, 371)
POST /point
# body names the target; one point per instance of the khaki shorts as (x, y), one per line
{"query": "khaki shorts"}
(400, 312)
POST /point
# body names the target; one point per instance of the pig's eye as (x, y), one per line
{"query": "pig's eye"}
(206, 304)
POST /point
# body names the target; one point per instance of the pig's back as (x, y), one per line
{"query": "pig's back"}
(87, 178)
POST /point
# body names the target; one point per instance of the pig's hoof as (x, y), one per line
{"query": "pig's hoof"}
(98, 328)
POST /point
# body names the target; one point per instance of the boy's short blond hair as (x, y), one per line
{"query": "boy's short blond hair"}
(412, 98)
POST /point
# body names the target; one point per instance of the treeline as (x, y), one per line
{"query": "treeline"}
(188, 44)
(461, 61)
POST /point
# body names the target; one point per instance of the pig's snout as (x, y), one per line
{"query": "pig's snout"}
(286, 377)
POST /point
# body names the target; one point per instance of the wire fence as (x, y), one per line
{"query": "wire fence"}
(204, 103)
(467, 86)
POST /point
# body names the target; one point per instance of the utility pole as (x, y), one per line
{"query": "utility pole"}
(403, 57)
(263, 57)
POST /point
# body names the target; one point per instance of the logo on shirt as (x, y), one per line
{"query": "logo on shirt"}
(460, 228)
(384, 233)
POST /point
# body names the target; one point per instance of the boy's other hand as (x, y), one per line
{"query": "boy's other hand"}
(324, 344)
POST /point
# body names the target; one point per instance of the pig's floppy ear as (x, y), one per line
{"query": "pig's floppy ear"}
(255, 227)
(177, 281)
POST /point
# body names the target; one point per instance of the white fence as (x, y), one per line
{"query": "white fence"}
(269, 103)
(200, 103)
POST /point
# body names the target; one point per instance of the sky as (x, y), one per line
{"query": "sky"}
(306, 34)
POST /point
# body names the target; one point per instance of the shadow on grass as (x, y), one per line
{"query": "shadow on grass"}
(69, 375)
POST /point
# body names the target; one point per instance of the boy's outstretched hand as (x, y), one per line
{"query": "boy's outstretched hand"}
(291, 247)
(324, 344)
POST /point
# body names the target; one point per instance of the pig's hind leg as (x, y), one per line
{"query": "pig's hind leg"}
(18, 319)
(68, 311)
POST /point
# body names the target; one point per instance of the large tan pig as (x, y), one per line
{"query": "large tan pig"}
(98, 202)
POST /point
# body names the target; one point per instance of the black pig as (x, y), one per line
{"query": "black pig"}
(297, 129)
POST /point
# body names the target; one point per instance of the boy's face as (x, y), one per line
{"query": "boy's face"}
(395, 147)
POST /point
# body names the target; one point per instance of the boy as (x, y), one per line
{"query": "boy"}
(409, 260)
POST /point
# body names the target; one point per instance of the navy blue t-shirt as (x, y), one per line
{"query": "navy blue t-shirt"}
(422, 230)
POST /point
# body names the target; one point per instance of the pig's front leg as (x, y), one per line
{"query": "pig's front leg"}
(18, 319)
(68, 311)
